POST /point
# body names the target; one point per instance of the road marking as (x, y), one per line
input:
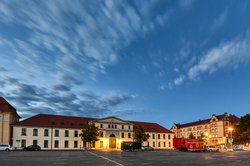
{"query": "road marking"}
(105, 158)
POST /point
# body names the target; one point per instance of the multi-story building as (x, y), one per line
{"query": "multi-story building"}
(8, 115)
(62, 132)
(214, 129)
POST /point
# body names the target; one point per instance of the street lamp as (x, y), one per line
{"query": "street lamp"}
(230, 129)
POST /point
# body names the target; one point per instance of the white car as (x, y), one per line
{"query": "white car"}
(211, 149)
(5, 147)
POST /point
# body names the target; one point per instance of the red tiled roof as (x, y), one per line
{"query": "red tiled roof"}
(232, 118)
(56, 121)
(5, 106)
(151, 127)
(60, 121)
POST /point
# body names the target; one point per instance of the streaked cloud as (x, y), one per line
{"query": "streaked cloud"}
(227, 55)
(230, 54)
(60, 45)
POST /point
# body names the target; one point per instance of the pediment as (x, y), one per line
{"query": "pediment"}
(112, 120)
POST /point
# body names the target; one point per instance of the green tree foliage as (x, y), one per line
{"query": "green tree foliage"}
(191, 136)
(242, 131)
(140, 135)
(89, 134)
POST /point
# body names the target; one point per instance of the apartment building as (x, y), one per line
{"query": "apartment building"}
(214, 129)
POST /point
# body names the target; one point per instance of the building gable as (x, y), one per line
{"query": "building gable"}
(111, 119)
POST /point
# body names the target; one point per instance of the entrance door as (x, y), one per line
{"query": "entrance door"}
(112, 141)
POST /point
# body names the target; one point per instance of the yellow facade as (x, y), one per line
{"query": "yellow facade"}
(214, 130)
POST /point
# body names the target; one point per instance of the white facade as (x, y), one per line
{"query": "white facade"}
(112, 132)
(46, 136)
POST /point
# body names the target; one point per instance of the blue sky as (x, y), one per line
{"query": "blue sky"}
(160, 61)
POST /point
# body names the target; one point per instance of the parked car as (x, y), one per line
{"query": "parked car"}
(238, 147)
(130, 146)
(5, 147)
(147, 148)
(211, 149)
(32, 148)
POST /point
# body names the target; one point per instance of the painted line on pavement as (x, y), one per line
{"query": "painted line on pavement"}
(105, 158)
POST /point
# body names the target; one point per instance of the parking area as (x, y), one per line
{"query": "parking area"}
(107, 158)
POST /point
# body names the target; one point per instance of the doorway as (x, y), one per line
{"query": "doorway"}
(112, 141)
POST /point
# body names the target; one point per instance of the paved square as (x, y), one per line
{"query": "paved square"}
(97, 158)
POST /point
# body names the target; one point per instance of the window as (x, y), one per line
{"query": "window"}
(153, 144)
(164, 144)
(46, 144)
(75, 133)
(66, 144)
(169, 144)
(159, 144)
(122, 135)
(66, 134)
(122, 126)
(56, 133)
(23, 143)
(109, 126)
(75, 144)
(35, 132)
(101, 144)
(153, 135)
(24, 131)
(159, 136)
(168, 136)
(129, 127)
(199, 128)
(164, 137)
(56, 143)
(34, 142)
(101, 133)
(46, 132)
(129, 135)
(101, 126)
(116, 126)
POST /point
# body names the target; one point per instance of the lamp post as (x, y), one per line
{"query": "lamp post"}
(231, 139)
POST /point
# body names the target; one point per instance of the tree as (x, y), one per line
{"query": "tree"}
(191, 136)
(202, 137)
(89, 134)
(140, 135)
(242, 131)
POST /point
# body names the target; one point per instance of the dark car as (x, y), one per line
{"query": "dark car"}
(147, 148)
(32, 148)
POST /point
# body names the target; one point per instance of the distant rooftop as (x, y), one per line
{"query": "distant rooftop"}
(5, 106)
(61, 121)
(232, 118)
